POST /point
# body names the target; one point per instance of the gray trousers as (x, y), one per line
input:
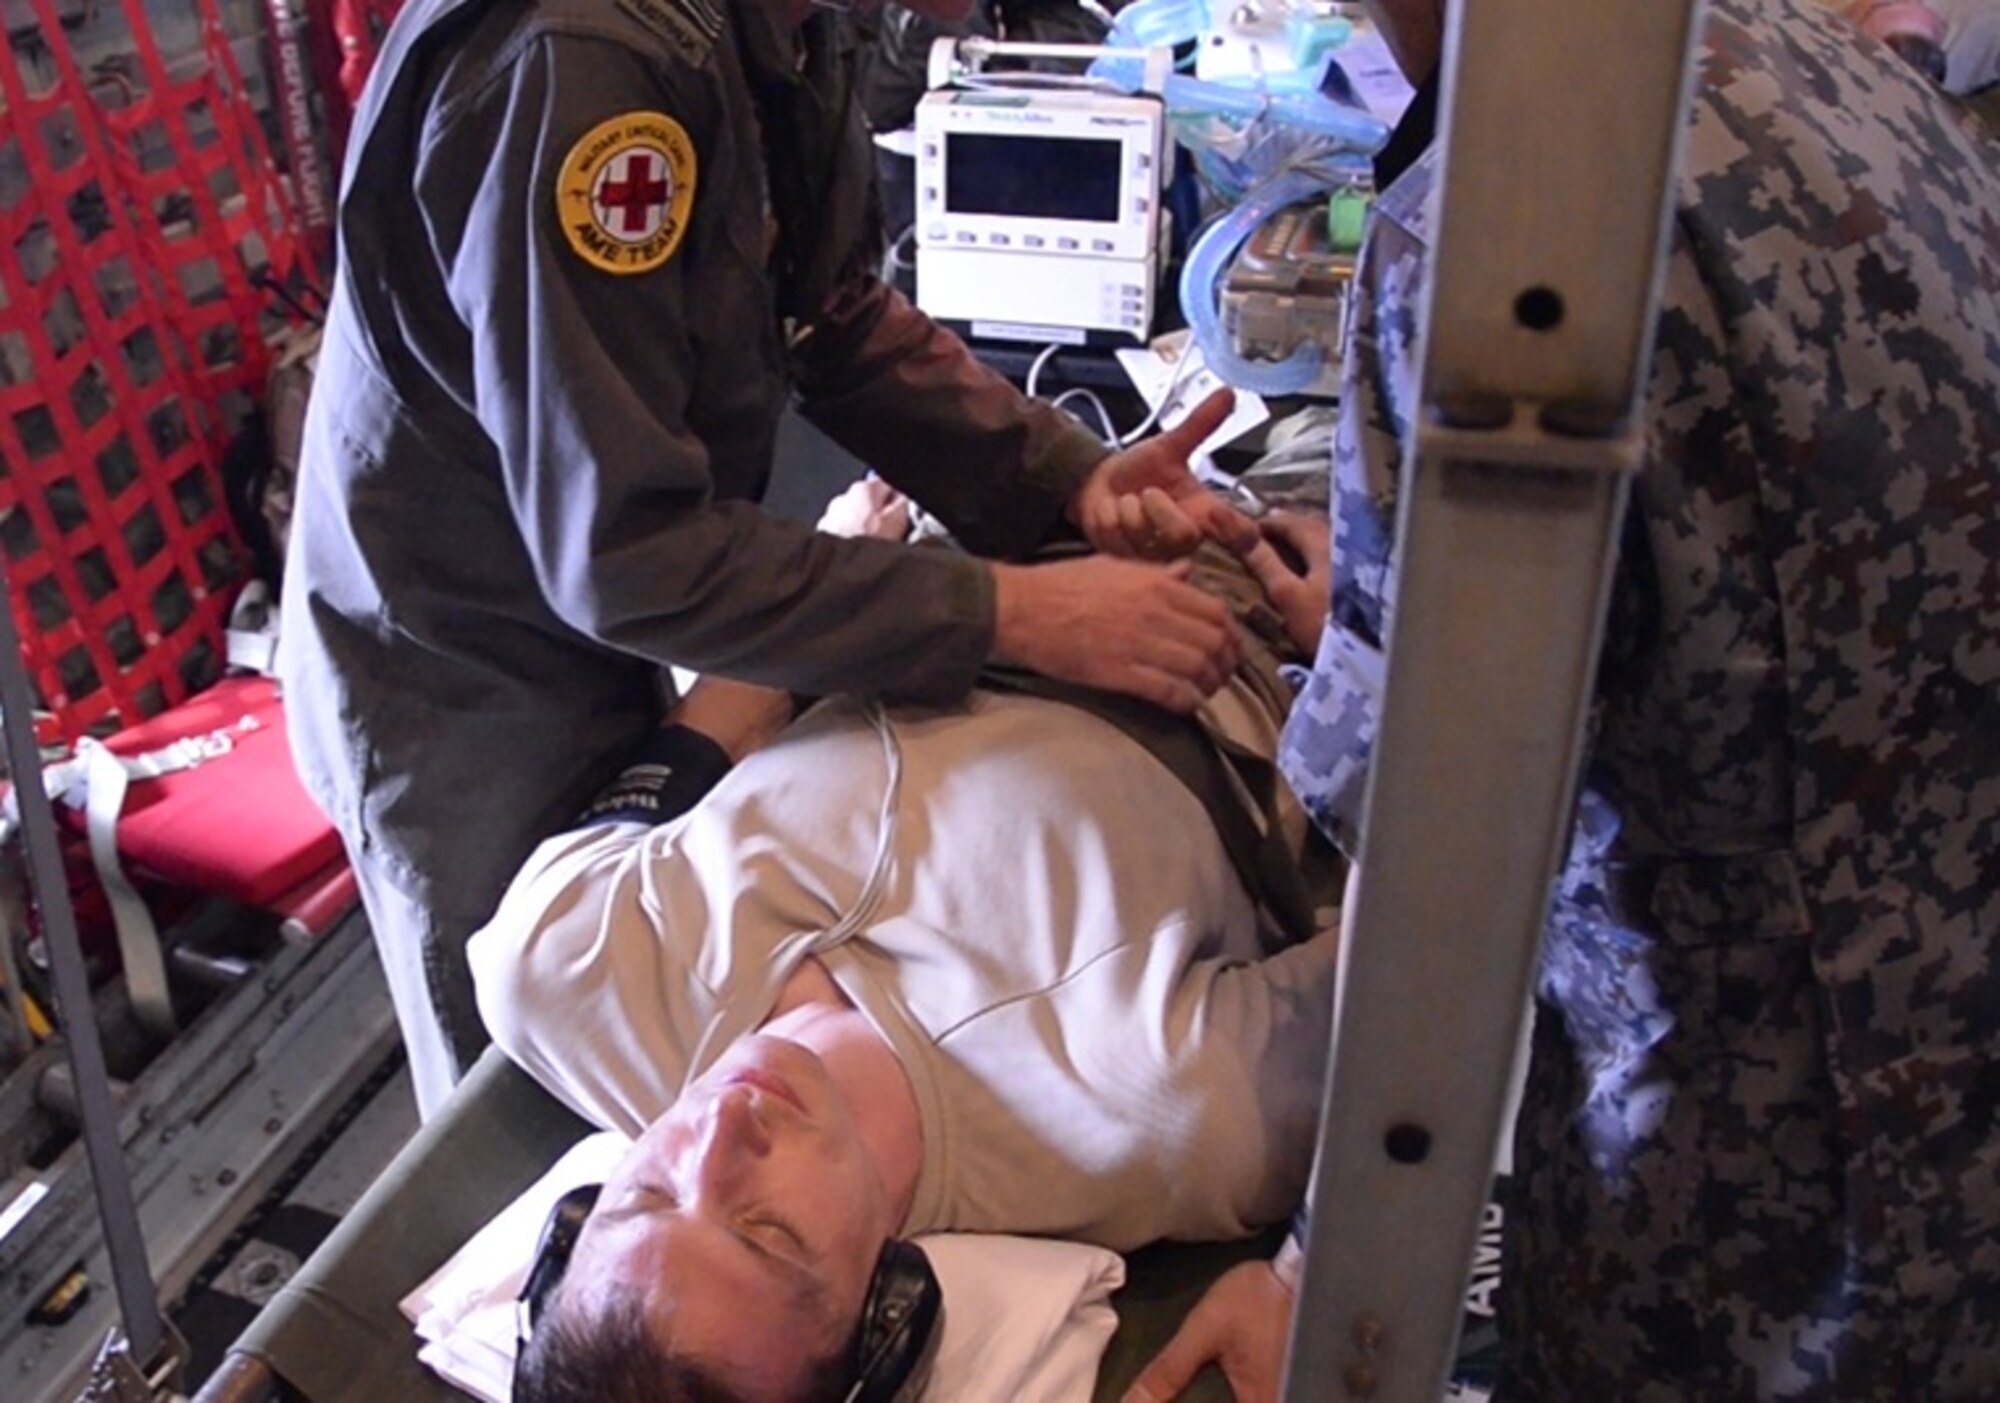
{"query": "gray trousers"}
(423, 958)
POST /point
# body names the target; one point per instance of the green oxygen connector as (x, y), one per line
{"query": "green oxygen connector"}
(1346, 217)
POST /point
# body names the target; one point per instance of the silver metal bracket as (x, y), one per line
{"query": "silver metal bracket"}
(116, 1377)
(956, 61)
(1562, 124)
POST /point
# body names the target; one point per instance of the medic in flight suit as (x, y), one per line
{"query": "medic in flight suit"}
(588, 247)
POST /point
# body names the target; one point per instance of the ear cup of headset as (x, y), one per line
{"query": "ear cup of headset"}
(901, 1323)
(552, 1253)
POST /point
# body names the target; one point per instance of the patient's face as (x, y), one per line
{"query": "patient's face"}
(746, 1220)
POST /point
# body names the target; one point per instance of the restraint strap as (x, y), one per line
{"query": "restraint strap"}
(1237, 787)
(106, 777)
(139, 950)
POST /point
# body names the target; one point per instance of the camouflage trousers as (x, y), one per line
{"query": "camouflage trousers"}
(1733, 1176)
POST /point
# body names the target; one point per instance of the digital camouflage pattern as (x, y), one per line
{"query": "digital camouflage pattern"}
(1759, 1154)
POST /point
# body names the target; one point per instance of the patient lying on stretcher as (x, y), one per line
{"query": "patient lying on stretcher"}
(901, 971)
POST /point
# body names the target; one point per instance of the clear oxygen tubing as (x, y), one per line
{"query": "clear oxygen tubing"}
(1297, 104)
(1202, 273)
(1313, 113)
(1150, 22)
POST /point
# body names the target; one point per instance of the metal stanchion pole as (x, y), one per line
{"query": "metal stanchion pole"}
(1562, 122)
(146, 1332)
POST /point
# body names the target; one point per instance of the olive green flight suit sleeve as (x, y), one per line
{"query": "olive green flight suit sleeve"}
(590, 383)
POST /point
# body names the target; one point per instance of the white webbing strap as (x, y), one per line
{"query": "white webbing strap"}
(251, 639)
(105, 777)
(252, 650)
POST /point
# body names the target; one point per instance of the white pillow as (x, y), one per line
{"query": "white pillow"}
(1025, 1318)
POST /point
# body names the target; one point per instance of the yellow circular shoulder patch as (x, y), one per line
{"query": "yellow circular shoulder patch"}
(625, 191)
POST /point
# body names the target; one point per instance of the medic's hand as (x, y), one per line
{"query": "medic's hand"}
(1147, 502)
(869, 507)
(1241, 1324)
(1121, 625)
(1298, 587)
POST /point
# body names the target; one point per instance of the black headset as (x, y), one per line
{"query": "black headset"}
(901, 1319)
(901, 1323)
(552, 1252)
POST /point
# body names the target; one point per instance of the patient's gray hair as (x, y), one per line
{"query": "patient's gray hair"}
(611, 1356)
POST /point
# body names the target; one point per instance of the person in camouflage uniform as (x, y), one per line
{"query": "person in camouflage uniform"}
(1759, 1150)
(1758, 1153)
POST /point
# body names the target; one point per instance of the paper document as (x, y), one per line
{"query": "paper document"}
(1171, 369)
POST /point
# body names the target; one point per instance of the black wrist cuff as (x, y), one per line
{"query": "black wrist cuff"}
(666, 776)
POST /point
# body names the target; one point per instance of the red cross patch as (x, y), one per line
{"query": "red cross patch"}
(625, 192)
(631, 195)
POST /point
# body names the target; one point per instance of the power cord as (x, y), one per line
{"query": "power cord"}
(1035, 366)
(1169, 397)
(1190, 359)
(893, 262)
(1106, 429)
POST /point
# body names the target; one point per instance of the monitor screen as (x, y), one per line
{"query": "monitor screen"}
(1034, 177)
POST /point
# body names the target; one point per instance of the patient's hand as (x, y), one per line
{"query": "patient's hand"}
(869, 507)
(1241, 1324)
(1299, 586)
(1147, 502)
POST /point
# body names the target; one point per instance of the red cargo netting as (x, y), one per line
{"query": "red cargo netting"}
(140, 223)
